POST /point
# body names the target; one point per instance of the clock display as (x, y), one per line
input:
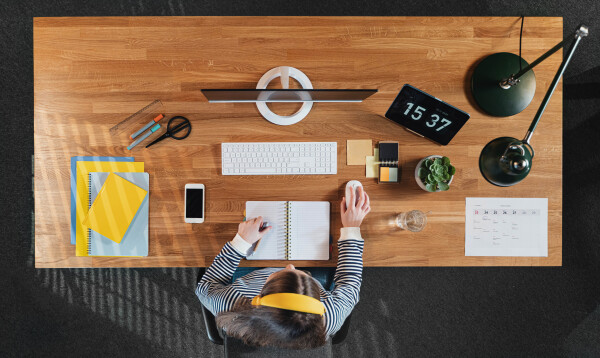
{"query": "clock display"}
(426, 115)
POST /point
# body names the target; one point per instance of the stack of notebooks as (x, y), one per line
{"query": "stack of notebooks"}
(109, 206)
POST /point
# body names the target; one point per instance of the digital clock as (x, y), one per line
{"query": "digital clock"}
(426, 115)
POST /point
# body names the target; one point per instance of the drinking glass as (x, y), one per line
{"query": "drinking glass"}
(414, 220)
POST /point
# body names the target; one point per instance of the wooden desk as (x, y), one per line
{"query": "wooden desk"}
(90, 73)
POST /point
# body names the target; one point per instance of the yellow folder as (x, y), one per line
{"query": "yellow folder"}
(114, 208)
(82, 197)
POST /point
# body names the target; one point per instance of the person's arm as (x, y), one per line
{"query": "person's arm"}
(348, 274)
(214, 289)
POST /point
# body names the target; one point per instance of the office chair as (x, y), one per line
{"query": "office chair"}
(218, 337)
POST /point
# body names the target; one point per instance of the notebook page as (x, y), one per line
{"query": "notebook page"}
(272, 245)
(309, 230)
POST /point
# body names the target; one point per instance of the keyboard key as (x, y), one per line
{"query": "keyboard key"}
(260, 171)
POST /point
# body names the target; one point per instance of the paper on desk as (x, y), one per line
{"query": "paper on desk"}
(357, 150)
(370, 166)
(506, 227)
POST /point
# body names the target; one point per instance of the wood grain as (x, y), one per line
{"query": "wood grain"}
(91, 73)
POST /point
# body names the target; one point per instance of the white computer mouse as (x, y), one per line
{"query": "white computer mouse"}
(354, 185)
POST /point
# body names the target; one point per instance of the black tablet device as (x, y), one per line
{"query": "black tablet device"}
(426, 115)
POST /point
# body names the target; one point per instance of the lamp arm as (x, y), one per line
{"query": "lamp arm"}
(540, 59)
(579, 34)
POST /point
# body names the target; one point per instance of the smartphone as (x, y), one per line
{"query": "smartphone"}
(194, 203)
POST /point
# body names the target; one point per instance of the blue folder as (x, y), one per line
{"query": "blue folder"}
(74, 161)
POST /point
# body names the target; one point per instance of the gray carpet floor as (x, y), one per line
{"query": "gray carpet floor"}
(414, 312)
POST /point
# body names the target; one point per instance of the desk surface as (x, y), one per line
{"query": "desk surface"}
(90, 73)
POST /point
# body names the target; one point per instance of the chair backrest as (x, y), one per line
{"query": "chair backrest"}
(235, 348)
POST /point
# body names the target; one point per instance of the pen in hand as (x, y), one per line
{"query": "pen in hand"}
(264, 226)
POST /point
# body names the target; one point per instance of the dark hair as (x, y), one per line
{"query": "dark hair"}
(268, 326)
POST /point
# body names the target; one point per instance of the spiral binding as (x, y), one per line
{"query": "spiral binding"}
(89, 231)
(388, 162)
(288, 228)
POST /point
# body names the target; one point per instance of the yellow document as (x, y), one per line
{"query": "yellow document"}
(83, 190)
(114, 208)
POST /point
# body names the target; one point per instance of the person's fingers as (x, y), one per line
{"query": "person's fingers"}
(259, 220)
(367, 202)
(343, 206)
(361, 197)
(352, 199)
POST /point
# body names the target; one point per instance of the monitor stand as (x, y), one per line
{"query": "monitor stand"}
(285, 72)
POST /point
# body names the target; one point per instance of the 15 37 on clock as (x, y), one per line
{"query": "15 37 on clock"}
(426, 115)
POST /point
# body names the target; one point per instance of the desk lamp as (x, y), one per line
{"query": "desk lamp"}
(503, 84)
(505, 161)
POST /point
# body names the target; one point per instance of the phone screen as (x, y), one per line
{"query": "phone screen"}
(193, 203)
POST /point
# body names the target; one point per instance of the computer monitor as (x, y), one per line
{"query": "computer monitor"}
(287, 95)
(305, 95)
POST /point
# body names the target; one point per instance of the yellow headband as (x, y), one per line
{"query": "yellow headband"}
(291, 301)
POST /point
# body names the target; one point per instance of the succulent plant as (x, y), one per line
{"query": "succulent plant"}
(435, 173)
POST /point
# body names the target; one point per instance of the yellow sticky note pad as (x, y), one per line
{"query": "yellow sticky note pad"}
(371, 168)
(114, 208)
(358, 150)
(384, 174)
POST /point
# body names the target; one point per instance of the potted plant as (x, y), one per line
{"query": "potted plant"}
(434, 173)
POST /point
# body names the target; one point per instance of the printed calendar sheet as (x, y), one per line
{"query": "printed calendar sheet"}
(506, 227)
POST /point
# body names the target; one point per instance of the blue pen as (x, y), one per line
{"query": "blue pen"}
(144, 136)
(155, 120)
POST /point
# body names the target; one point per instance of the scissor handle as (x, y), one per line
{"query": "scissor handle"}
(179, 127)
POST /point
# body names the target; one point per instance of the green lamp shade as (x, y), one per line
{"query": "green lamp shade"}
(487, 92)
(505, 161)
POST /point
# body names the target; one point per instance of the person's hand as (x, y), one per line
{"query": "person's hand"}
(355, 211)
(250, 231)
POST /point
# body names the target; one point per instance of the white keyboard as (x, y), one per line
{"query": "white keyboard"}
(279, 158)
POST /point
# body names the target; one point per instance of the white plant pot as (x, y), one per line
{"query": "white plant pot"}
(418, 180)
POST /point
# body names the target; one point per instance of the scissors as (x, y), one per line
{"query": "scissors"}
(175, 125)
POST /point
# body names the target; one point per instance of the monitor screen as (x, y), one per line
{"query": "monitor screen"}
(287, 95)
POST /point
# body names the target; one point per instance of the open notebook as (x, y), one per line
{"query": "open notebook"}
(300, 230)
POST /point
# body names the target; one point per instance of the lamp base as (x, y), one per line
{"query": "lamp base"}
(490, 166)
(487, 92)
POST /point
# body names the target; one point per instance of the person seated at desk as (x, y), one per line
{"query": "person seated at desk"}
(237, 306)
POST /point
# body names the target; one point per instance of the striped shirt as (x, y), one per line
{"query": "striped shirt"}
(217, 294)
